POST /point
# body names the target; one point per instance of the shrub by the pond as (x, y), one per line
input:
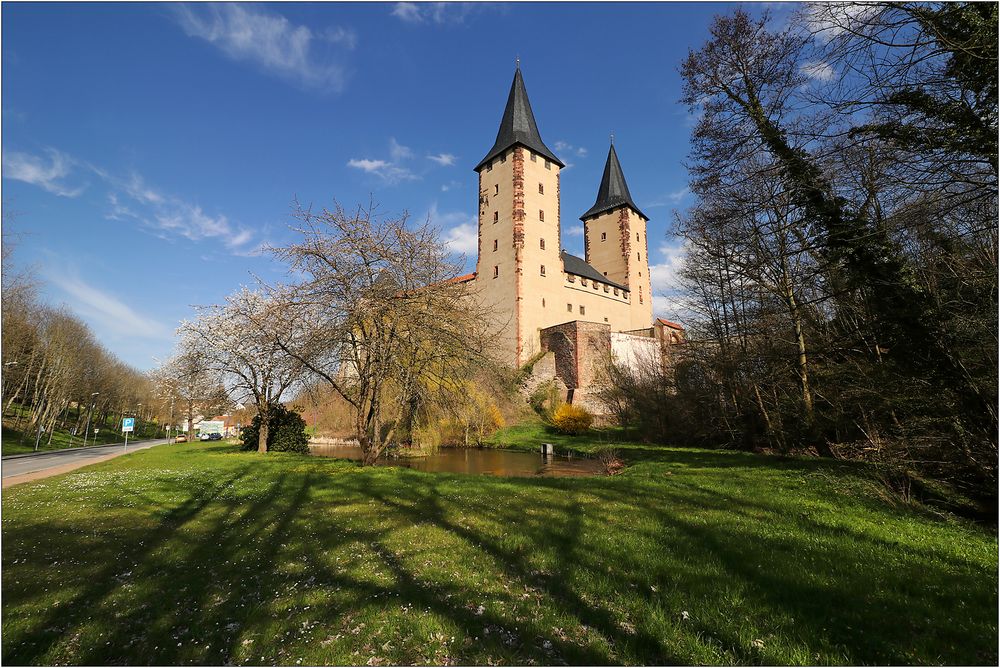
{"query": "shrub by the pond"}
(286, 432)
(570, 419)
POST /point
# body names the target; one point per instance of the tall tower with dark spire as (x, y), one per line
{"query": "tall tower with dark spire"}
(519, 261)
(614, 232)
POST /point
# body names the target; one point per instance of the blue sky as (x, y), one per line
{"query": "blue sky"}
(149, 150)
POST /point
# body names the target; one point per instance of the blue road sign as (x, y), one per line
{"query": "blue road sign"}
(128, 424)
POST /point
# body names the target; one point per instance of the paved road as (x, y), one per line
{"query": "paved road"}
(66, 460)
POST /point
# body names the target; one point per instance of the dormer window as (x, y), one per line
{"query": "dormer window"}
(583, 281)
(534, 158)
(548, 165)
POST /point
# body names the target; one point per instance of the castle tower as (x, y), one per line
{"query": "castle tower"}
(519, 261)
(614, 233)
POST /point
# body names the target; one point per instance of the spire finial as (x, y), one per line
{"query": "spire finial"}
(612, 138)
(517, 61)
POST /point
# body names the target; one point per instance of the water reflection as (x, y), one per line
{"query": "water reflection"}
(476, 461)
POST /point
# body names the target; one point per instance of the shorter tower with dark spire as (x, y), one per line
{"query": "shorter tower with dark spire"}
(614, 232)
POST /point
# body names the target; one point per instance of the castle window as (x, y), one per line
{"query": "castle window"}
(541, 244)
(496, 216)
(503, 157)
(548, 165)
(543, 302)
(541, 215)
(583, 311)
(605, 273)
(494, 245)
(496, 271)
(636, 236)
(638, 256)
(541, 189)
(534, 158)
(616, 292)
(605, 320)
(569, 307)
(496, 189)
(604, 236)
(640, 273)
(489, 166)
(543, 270)
(606, 288)
(583, 281)
(571, 278)
(595, 284)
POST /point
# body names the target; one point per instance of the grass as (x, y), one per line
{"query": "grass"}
(200, 554)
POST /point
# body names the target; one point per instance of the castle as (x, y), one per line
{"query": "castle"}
(545, 299)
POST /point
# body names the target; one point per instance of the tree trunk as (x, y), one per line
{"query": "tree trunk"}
(264, 432)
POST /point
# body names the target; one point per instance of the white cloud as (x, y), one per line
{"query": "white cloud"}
(37, 171)
(828, 20)
(106, 308)
(818, 71)
(451, 185)
(129, 198)
(440, 13)
(443, 159)
(664, 276)
(678, 195)
(247, 33)
(574, 231)
(366, 165)
(460, 230)
(390, 171)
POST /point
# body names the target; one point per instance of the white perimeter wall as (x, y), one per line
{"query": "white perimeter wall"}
(633, 351)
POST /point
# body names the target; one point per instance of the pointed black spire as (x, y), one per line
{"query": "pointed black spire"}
(518, 125)
(613, 192)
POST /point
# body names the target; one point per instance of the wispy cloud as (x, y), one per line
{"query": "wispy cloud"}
(818, 71)
(36, 170)
(569, 149)
(440, 13)
(451, 185)
(391, 171)
(443, 159)
(673, 197)
(272, 42)
(574, 231)
(105, 307)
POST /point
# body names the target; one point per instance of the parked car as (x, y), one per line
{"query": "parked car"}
(215, 437)
(180, 438)
(204, 437)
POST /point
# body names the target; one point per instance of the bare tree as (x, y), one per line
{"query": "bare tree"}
(379, 316)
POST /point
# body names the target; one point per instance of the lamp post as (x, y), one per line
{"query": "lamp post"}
(89, 413)
(138, 420)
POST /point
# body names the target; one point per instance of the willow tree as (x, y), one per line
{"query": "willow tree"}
(379, 316)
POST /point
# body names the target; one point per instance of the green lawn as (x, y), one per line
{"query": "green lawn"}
(199, 554)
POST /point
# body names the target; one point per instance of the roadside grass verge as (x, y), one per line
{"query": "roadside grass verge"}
(199, 554)
(16, 442)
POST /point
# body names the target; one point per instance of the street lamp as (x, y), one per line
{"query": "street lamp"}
(89, 413)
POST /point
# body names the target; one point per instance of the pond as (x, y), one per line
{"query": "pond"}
(477, 461)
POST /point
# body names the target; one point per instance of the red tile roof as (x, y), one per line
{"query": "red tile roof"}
(668, 323)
